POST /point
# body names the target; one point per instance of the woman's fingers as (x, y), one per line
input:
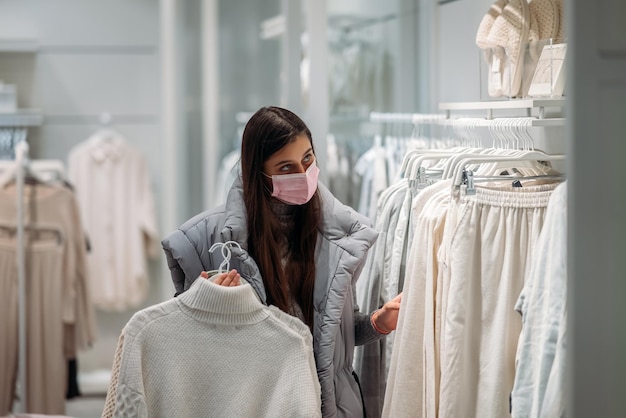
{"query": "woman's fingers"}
(231, 278)
(395, 302)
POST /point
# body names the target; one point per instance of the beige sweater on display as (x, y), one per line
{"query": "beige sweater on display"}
(214, 351)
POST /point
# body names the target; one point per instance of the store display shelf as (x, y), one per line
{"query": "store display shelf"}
(18, 45)
(490, 106)
(549, 122)
(21, 118)
(503, 104)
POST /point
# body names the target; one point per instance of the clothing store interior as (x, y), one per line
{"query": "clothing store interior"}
(473, 143)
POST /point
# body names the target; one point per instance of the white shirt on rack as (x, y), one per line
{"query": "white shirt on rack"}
(113, 189)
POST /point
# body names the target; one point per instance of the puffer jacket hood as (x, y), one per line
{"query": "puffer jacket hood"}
(343, 240)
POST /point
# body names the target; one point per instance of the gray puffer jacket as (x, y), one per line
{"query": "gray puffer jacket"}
(343, 241)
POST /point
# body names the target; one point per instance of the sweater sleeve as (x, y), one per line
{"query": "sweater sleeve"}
(364, 332)
(109, 403)
(122, 400)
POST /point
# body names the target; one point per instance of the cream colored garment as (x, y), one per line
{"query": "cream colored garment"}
(404, 394)
(109, 403)
(54, 206)
(46, 375)
(489, 254)
(212, 351)
(117, 206)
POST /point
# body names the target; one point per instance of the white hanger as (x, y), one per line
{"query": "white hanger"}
(528, 156)
(106, 133)
(226, 253)
(41, 171)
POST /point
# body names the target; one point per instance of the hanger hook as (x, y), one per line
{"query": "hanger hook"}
(226, 253)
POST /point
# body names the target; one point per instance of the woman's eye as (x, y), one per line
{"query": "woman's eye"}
(308, 158)
(285, 168)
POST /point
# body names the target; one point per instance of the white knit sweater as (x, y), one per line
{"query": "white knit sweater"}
(214, 351)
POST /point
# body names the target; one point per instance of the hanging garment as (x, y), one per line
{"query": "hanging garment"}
(212, 351)
(45, 358)
(404, 395)
(55, 207)
(488, 258)
(369, 359)
(453, 271)
(371, 166)
(338, 171)
(113, 189)
(59, 313)
(539, 387)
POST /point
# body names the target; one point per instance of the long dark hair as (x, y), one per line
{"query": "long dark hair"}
(267, 131)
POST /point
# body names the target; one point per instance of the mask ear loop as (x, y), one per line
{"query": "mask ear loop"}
(226, 253)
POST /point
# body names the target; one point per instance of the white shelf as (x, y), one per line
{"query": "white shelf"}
(491, 105)
(18, 45)
(534, 122)
(549, 122)
(21, 119)
(503, 104)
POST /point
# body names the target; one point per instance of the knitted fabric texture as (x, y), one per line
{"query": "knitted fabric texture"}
(487, 23)
(560, 34)
(544, 19)
(510, 31)
(216, 351)
(109, 402)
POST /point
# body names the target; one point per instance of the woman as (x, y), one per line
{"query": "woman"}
(301, 250)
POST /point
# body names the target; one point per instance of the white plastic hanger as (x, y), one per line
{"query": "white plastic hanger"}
(40, 171)
(527, 156)
(224, 266)
(106, 133)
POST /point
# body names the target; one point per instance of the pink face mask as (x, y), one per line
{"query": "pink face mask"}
(297, 188)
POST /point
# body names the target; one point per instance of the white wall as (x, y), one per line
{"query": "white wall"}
(458, 59)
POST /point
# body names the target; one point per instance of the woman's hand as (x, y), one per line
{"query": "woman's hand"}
(231, 278)
(385, 319)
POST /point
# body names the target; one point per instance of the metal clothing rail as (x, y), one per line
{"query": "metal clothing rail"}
(102, 119)
(415, 118)
(542, 119)
(18, 123)
(21, 156)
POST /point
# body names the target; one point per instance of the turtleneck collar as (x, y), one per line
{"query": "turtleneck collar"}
(208, 302)
(284, 213)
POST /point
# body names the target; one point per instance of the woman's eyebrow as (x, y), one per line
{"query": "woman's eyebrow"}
(290, 161)
(283, 162)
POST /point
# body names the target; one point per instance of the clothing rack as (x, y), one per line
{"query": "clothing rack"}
(13, 129)
(103, 119)
(540, 106)
(537, 108)
(415, 118)
(17, 123)
(358, 24)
